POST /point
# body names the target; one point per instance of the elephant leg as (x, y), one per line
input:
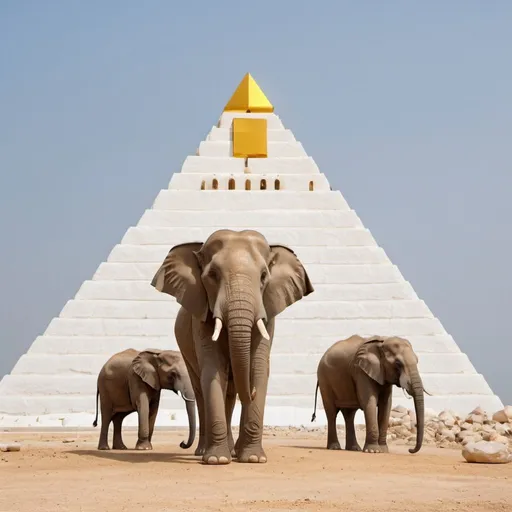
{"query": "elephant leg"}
(250, 447)
(153, 411)
(213, 386)
(143, 433)
(351, 443)
(117, 420)
(230, 405)
(384, 410)
(106, 418)
(367, 395)
(331, 411)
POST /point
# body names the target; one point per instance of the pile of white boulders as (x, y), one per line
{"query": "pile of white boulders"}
(450, 430)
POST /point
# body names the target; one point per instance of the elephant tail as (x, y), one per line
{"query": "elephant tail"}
(313, 418)
(95, 422)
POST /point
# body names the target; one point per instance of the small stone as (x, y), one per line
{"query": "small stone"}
(478, 410)
(503, 416)
(502, 428)
(488, 428)
(487, 452)
(475, 418)
(449, 422)
(446, 414)
(466, 426)
(69, 440)
(398, 411)
(10, 447)
(393, 421)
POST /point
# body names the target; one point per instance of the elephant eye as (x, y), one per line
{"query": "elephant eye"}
(212, 274)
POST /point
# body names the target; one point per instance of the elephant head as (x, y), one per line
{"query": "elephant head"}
(237, 280)
(391, 360)
(166, 369)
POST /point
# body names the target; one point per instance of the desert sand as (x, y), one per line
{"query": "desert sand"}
(64, 472)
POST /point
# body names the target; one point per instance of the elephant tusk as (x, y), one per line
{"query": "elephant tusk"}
(184, 397)
(406, 394)
(218, 328)
(426, 392)
(262, 329)
(253, 393)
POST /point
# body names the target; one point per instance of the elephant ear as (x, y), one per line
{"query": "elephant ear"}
(288, 281)
(180, 276)
(368, 358)
(144, 365)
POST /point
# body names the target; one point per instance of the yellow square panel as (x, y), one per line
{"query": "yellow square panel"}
(249, 137)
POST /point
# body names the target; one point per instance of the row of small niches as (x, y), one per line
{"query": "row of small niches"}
(248, 185)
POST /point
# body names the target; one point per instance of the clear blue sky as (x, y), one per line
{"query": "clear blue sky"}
(406, 106)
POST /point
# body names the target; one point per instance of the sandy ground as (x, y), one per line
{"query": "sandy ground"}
(65, 472)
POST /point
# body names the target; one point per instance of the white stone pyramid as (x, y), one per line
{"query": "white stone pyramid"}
(357, 290)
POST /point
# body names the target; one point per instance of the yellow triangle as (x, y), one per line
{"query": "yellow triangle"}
(248, 97)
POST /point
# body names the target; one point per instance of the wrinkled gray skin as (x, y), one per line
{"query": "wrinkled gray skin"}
(359, 373)
(132, 381)
(236, 278)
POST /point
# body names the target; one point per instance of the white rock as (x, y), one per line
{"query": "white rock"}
(478, 410)
(502, 428)
(399, 409)
(475, 418)
(471, 439)
(487, 452)
(503, 416)
(445, 415)
(466, 426)
(449, 422)
(10, 447)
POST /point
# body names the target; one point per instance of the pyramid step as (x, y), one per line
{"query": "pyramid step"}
(273, 120)
(303, 309)
(212, 200)
(250, 219)
(290, 236)
(127, 253)
(285, 327)
(231, 165)
(241, 182)
(64, 407)
(318, 273)
(281, 364)
(142, 290)
(274, 149)
(279, 384)
(287, 345)
(225, 134)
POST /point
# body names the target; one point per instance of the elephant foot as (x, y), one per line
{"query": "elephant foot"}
(334, 445)
(143, 445)
(252, 455)
(217, 455)
(383, 448)
(119, 446)
(372, 448)
(200, 447)
(353, 448)
(102, 446)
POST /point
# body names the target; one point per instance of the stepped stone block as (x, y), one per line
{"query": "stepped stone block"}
(321, 274)
(238, 182)
(208, 200)
(225, 135)
(273, 121)
(274, 149)
(250, 219)
(289, 236)
(139, 290)
(357, 290)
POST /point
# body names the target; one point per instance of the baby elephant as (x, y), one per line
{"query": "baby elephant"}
(359, 373)
(132, 381)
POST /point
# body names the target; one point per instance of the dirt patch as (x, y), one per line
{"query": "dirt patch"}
(65, 472)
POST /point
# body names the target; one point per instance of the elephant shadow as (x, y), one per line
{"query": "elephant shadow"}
(137, 456)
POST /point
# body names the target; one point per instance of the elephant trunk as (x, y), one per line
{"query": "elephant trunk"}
(191, 413)
(419, 405)
(240, 321)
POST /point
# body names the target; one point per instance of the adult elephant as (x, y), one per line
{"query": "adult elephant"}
(230, 288)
